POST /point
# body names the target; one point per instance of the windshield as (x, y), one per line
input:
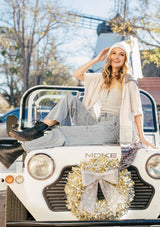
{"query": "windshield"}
(43, 98)
(149, 113)
(40, 100)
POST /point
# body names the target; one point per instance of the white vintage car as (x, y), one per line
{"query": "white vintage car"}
(35, 194)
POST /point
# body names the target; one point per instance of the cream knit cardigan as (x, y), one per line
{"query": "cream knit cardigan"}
(130, 104)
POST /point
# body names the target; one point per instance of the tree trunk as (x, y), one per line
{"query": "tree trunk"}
(26, 67)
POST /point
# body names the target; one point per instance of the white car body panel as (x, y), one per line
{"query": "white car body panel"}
(30, 191)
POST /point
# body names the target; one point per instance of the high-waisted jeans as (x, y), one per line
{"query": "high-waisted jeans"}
(85, 129)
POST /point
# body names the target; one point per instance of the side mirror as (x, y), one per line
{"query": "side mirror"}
(12, 123)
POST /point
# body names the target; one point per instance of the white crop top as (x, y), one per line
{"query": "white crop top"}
(111, 100)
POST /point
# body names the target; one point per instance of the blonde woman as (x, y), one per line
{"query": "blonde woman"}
(111, 111)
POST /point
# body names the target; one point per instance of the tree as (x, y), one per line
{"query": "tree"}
(141, 19)
(11, 86)
(10, 67)
(32, 21)
(46, 67)
(49, 67)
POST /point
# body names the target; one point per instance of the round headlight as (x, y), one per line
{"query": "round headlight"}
(41, 166)
(153, 166)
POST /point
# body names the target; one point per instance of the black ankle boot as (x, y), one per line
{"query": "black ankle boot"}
(8, 154)
(31, 133)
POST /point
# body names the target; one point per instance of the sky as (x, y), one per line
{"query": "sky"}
(80, 48)
(100, 8)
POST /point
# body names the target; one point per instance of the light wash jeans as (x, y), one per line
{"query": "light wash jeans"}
(86, 130)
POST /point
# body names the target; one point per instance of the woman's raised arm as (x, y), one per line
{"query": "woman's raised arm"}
(79, 73)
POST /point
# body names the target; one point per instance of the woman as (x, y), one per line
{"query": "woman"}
(111, 111)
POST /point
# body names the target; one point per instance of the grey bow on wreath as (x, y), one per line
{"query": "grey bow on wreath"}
(106, 180)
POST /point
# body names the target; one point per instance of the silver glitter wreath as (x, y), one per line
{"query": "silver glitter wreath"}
(103, 210)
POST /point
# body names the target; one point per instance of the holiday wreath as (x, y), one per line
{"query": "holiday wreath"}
(82, 185)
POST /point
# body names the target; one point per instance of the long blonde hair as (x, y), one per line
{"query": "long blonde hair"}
(107, 73)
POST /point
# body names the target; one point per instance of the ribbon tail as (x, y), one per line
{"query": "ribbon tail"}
(110, 193)
(88, 198)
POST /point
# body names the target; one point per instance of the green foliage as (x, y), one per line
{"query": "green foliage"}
(3, 52)
(151, 56)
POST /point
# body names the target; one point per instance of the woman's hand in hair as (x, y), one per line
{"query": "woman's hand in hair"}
(79, 73)
(103, 54)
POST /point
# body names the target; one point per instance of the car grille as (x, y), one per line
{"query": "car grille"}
(55, 196)
(144, 192)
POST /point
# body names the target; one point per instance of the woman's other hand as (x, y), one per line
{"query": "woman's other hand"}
(147, 143)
